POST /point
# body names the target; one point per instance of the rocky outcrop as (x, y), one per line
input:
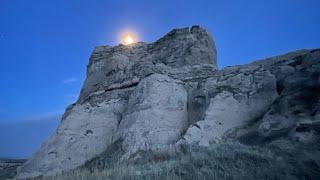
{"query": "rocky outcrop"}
(265, 100)
(181, 54)
(170, 92)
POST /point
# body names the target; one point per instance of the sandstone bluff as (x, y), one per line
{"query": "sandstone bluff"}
(169, 93)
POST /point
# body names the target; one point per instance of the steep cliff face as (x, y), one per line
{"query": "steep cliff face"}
(169, 93)
(181, 54)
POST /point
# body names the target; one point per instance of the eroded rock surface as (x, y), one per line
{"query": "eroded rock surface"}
(154, 96)
(156, 114)
(181, 54)
(233, 100)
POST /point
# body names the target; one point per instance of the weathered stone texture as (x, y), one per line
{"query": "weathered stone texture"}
(170, 92)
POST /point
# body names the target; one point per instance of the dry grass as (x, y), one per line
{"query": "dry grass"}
(222, 161)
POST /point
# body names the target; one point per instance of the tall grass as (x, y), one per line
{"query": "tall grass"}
(220, 161)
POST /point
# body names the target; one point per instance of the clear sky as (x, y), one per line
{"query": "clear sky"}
(45, 45)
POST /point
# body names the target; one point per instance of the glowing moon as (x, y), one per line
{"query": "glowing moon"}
(128, 40)
(128, 37)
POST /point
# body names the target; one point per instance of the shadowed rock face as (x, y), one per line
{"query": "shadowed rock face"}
(167, 93)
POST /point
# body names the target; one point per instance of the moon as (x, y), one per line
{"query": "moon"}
(128, 37)
(128, 40)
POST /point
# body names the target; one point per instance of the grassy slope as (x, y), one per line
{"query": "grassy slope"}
(221, 161)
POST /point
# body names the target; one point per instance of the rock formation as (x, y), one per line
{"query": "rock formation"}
(170, 92)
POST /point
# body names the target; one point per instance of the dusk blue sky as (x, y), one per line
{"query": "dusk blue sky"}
(45, 46)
